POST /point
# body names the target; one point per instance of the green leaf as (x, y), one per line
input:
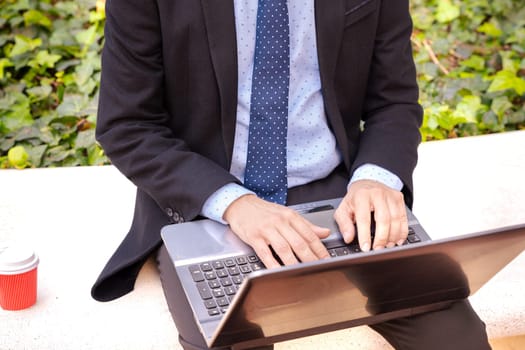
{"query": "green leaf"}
(68, 8)
(490, 121)
(516, 117)
(72, 105)
(88, 36)
(500, 105)
(20, 5)
(506, 80)
(57, 154)
(96, 16)
(40, 92)
(424, 19)
(490, 28)
(26, 133)
(430, 121)
(69, 79)
(96, 156)
(4, 63)
(38, 18)
(440, 116)
(468, 109)
(6, 144)
(35, 154)
(24, 44)
(19, 113)
(510, 61)
(85, 139)
(475, 62)
(446, 11)
(44, 59)
(517, 36)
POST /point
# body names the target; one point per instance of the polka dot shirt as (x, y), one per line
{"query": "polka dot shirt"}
(311, 147)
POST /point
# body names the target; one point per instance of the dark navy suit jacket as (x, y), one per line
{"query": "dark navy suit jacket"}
(168, 105)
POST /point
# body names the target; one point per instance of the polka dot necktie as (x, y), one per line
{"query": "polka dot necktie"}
(266, 161)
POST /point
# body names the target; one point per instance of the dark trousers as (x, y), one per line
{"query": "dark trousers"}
(456, 327)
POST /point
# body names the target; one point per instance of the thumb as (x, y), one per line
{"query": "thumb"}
(321, 232)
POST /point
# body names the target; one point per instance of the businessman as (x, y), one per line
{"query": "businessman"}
(234, 109)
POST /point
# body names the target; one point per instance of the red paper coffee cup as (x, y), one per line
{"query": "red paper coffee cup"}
(18, 278)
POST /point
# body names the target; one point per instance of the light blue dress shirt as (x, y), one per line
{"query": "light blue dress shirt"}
(312, 151)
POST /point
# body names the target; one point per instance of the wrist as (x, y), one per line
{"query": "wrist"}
(235, 206)
(216, 205)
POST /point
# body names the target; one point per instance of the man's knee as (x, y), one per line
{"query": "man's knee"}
(453, 328)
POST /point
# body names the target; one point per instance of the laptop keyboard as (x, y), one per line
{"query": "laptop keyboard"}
(219, 280)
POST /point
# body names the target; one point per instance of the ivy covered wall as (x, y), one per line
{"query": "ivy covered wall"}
(470, 56)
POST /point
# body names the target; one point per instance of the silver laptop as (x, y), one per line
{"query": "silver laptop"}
(235, 300)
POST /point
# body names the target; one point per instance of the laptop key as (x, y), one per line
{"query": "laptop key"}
(257, 266)
(245, 269)
(229, 262)
(222, 273)
(342, 251)
(214, 284)
(241, 260)
(214, 312)
(233, 271)
(196, 273)
(230, 290)
(204, 290)
(237, 279)
(223, 302)
(413, 238)
(217, 264)
(218, 292)
(226, 282)
(210, 304)
(210, 275)
(206, 267)
(253, 258)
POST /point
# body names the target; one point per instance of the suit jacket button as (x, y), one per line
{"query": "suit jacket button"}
(169, 212)
(176, 216)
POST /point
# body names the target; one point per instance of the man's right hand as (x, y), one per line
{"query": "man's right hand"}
(262, 224)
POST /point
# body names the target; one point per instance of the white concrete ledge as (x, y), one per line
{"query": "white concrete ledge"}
(75, 217)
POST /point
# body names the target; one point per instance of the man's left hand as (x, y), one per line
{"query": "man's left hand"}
(368, 200)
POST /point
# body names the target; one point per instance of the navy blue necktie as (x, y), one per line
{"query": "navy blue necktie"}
(266, 162)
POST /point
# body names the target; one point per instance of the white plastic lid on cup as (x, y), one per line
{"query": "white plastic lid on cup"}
(17, 259)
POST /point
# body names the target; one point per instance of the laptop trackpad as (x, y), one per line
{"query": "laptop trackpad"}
(203, 238)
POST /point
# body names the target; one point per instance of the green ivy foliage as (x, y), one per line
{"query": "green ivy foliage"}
(49, 79)
(470, 56)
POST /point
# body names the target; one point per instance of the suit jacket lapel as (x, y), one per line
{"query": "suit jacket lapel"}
(329, 20)
(220, 26)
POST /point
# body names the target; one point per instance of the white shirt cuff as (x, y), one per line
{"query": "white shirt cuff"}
(220, 200)
(374, 172)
